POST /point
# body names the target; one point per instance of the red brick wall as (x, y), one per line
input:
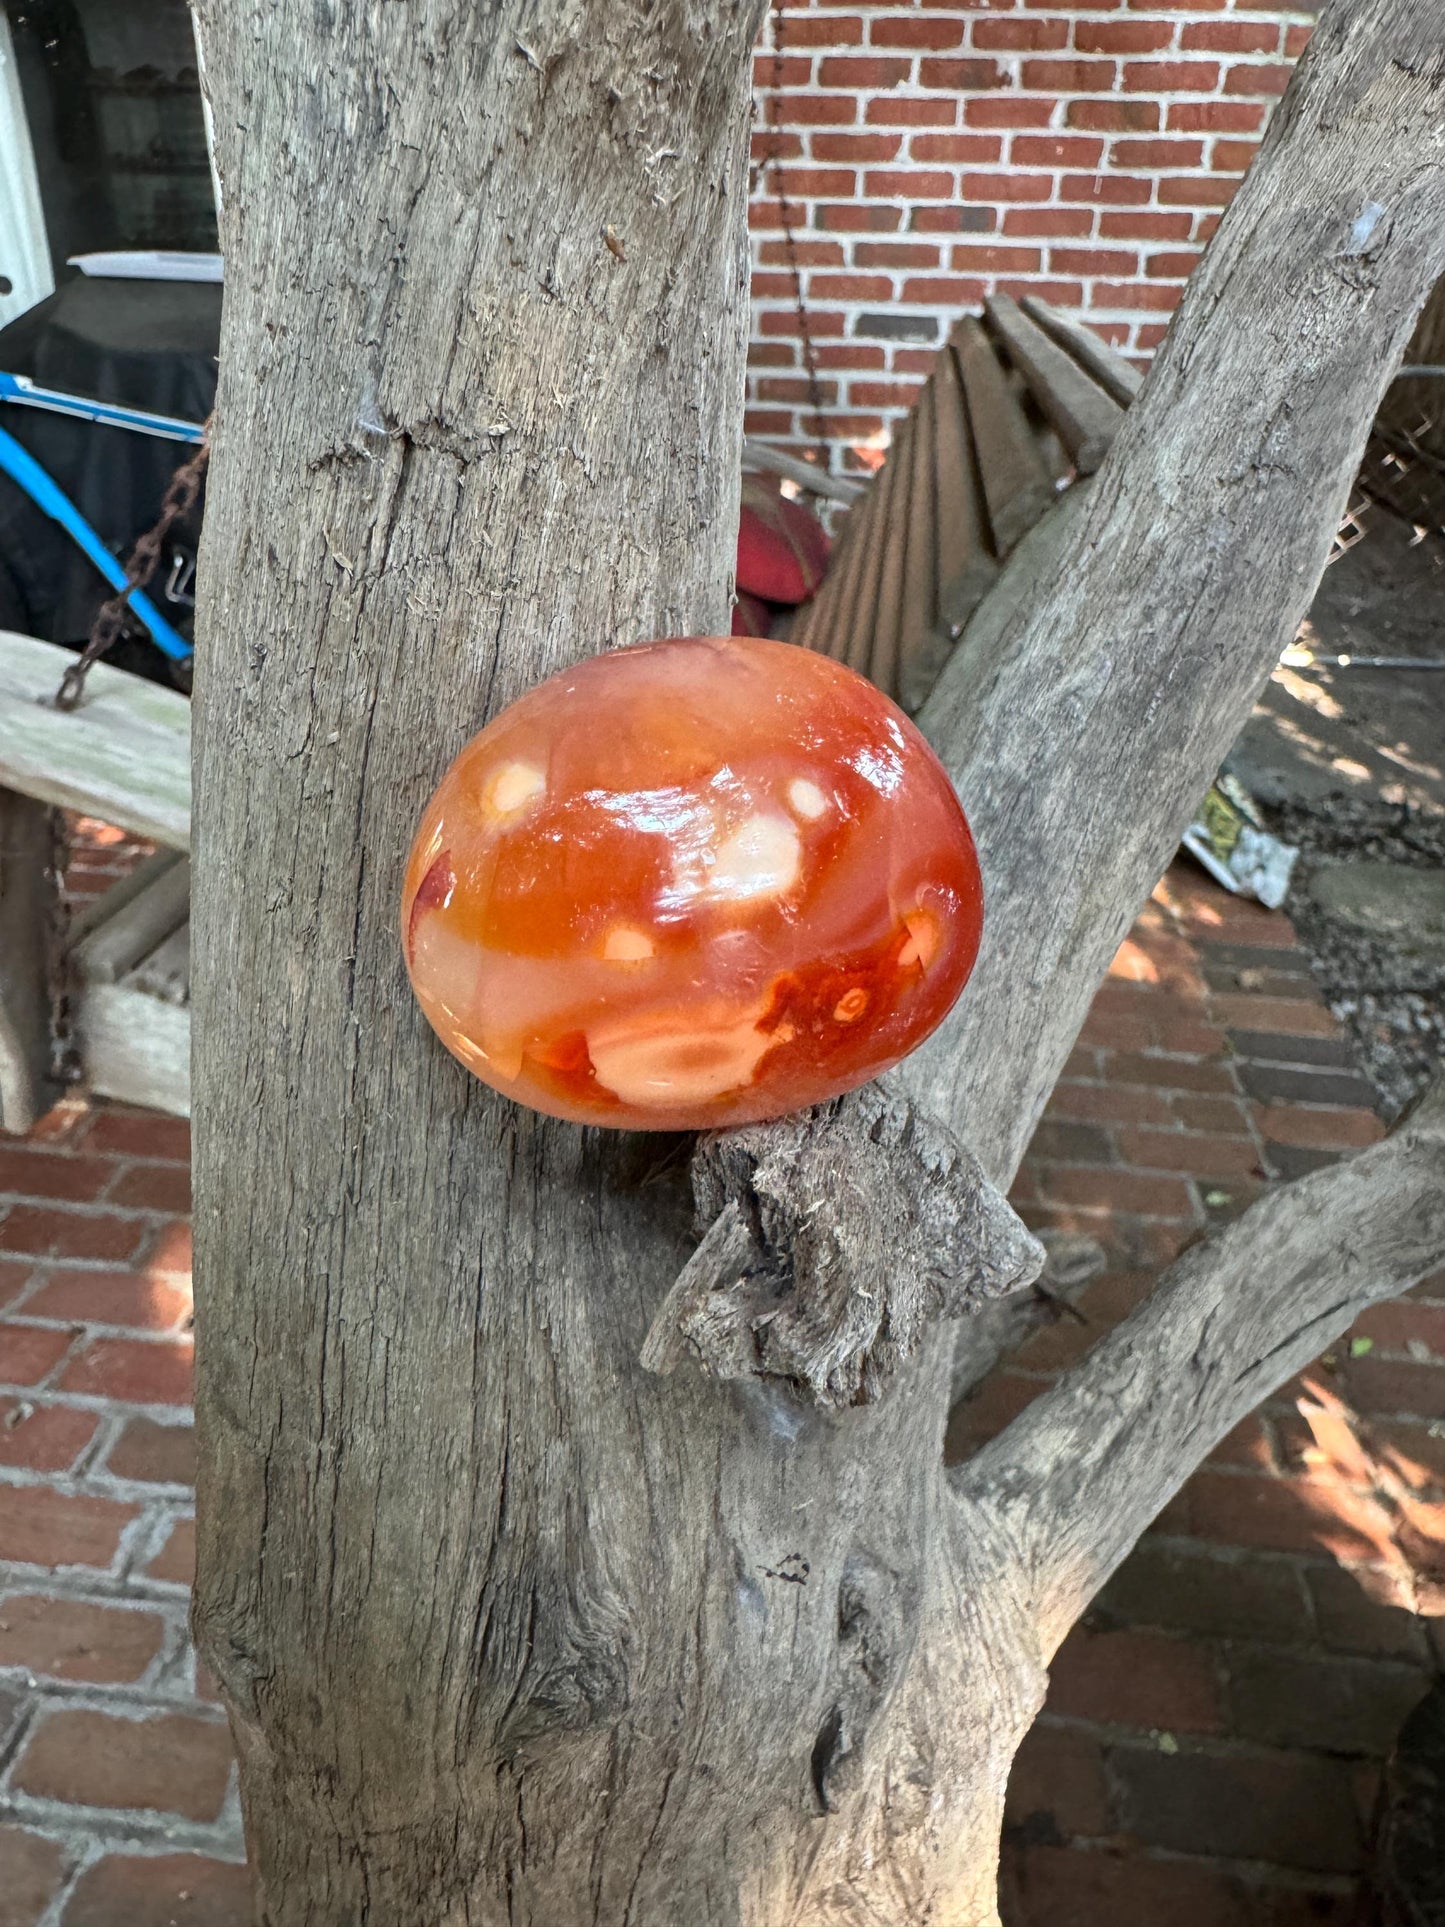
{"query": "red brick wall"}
(926, 155)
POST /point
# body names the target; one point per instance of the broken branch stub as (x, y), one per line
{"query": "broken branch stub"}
(835, 1239)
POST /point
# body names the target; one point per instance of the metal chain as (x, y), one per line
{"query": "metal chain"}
(773, 159)
(141, 565)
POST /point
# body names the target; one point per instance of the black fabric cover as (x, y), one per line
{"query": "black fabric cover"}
(148, 344)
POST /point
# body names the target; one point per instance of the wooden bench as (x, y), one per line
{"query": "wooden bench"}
(115, 983)
(1019, 405)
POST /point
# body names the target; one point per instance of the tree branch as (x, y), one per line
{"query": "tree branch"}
(837, 1236)
(1082, 745)
(1078, 1476)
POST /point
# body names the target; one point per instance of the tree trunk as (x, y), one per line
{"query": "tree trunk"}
(512, 1631)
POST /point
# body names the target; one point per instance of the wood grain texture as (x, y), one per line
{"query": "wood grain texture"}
(1118, 378)
(124, 755)
(166, 972)
(823, 623)
(882, 664)
(30, 921)
(134, 1046)
(123, 891)
(137, 925)
(808, 475)
(918, 604)
(1084, 417)
(1016, 485)
(511, 1630)
(859, 619)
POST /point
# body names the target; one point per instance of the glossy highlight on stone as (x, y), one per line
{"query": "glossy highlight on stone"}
(690, 884)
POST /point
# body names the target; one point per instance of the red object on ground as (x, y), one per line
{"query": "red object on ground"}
(751, 615)
(690, 884)
(782, 546)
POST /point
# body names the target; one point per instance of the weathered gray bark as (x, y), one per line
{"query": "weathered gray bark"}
(512, 1630)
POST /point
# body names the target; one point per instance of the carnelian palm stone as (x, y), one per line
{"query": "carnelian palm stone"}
(689, 884)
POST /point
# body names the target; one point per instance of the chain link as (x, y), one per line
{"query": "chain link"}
(111, 618)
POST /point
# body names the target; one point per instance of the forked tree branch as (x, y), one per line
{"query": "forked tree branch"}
(1077, 1477)
(1082, 746)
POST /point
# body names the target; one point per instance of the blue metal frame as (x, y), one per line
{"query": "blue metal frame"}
(48, 496)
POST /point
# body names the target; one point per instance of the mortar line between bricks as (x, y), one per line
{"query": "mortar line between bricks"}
(52, 1396)
(12, 1743)
(91, 1207)
(1226, 1553)
(92, 1583)
(1212, 1746)
(1223, 1646)
(160, 1831)
(1261, 1872)
(103, 1440)
(54, 1915)
(151, 1695)
(89, 1696)
(98, 1327)
(104, 1485)
(168, 1609)
(68, 1266)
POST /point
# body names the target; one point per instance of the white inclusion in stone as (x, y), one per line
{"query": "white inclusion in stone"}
(510, 789)
(687, 1062)
(626, 945)
(761, 858)
(806, 798)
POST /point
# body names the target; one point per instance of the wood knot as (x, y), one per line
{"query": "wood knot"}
(834, 1240)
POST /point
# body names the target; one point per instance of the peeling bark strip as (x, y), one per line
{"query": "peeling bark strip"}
(837, 1238)
(513, 1633)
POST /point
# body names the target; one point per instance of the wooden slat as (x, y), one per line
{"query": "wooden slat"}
(1026, 574)
(114, 948)
(29, 915)
(1016, 485)
(822, 624)
(918, 615)
(166, 972)
(124, 755)
(1084, 416)
(1119, 378)
(966, 563)
(883, 652)
(102, 908)
(772, 461)
(135, 1047)
(862, 617)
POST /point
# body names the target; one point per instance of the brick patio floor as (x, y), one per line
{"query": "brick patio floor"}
(1211, 1743)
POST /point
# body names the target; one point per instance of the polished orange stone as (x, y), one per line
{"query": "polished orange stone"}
(688, 884)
